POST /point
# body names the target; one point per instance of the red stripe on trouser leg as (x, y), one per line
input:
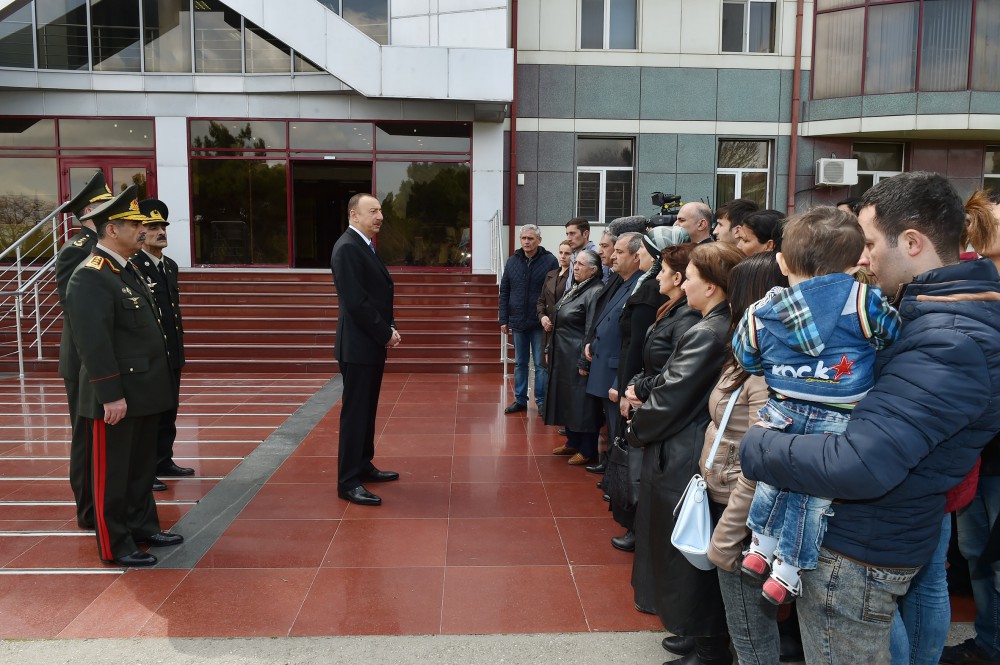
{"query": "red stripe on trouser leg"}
(100, 473)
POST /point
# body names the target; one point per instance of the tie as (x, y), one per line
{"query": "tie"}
(371, 246)
(163, 273)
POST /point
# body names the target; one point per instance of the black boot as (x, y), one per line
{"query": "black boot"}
(681, 646)
(707, 651)
(625, 543)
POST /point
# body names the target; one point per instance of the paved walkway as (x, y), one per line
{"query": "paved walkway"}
(485, 533)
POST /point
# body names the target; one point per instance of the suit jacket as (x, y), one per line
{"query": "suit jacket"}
(168, 299)
(71, 254)
(117, 332)
(364, 300)
(607, 341)
(607, 291)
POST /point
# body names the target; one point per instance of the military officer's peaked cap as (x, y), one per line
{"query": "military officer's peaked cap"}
(123, 207)
(155, 210)
(95, 191)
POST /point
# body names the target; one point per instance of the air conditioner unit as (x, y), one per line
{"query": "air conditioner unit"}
(836, 172)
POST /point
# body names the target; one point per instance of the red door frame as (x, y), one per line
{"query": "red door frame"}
(106, 164)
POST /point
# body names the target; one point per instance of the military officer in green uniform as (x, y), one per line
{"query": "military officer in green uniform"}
(72, 254)
(124, 382)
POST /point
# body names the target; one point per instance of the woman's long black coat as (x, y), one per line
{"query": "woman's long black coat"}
(566, 401)
(671, 425)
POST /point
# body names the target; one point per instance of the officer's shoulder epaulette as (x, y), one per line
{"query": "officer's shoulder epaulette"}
(98, 263)
(81, 242)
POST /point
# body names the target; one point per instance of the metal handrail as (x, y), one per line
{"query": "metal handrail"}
(498, 263)
(30, 290)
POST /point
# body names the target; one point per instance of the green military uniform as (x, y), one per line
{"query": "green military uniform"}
(117, 332)
(72, 254)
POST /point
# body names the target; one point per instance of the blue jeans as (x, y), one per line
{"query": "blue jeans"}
(921, 625)
(974, 524)
(529, 342)
(752, 621)
(846, 610)
(797, 520)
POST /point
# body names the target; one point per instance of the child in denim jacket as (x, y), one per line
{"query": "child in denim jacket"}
(815, 344)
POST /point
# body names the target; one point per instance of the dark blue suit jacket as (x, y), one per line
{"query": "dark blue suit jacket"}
(364, 301)
(607, 341)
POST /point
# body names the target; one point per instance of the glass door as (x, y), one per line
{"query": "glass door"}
(120, 172)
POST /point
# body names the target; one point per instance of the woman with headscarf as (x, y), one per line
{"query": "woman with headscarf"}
(637, 316)
(672, 423)
(566, 402)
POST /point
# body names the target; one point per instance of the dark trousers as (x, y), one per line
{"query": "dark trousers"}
(362, 384)
(124, 462)
(79, 458)
(166, 432)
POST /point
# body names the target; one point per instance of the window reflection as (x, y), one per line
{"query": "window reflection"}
(106, 133)
(167, 35)
(427, 213)
(62, 34)
(217, 44)
(29, 189)
(16, 45)
(240, 211)
(115, 35)
(27, 132)
(423, 137)
(227, 136)
(264, 53)
(369, 16)
(330, 136)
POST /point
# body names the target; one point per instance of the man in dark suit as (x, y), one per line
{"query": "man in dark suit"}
(365, 331)
(72, 254)
(160, 273)
(124, 382)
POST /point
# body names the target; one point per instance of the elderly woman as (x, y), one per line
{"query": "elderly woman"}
(567, 403)
(637, 316)
(552, 290)
(671, 424)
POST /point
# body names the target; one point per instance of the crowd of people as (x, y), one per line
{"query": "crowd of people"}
(845, 363)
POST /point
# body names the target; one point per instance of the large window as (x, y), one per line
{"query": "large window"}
(991, 169)
(889, 47)
(604, 177)
(157, 36)
(744, 172)
(608, 24)
(748, 26)
(369, 16)
(876, 161)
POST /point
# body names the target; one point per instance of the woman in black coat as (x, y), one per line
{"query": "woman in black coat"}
(566, 401)
(552, 290)
(671, 424)
(672, 320)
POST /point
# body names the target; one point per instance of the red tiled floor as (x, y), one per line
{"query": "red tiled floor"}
(608, 600)
(587, 541)
(484, 469)
(125, 606)
(389, 543)
(415, 443)
(499, 500)
(271, 544)
(505, 541)
(60, 552)
(372, 601)
(295, 501)
(511, 599)
(232, 603)
(400, 500)
(43, 605)
(307, 470)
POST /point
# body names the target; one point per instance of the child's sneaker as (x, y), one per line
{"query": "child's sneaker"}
(755, 566)
(779, 592)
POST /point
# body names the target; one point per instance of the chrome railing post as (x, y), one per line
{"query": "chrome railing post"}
(38, 318)
(18, 307)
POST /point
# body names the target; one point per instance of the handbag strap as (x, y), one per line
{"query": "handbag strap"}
(722, 426)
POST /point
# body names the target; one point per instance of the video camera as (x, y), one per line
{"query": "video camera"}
(669, 205)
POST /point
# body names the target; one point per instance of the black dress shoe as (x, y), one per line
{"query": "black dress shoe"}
(159, 485)
(84, 524)
(625, 543)
(562, 432)
(607, 498)
(681, 646)
(161, 539)
(172, 470)
(516, 407)
(377, 476)
(598, 468)
(137, 559)
(360, 496)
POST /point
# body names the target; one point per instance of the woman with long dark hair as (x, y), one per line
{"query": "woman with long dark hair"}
(671, 425)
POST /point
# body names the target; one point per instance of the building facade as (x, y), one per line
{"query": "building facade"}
(255, 121)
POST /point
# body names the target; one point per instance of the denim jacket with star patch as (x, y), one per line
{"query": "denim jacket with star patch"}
(816, 341)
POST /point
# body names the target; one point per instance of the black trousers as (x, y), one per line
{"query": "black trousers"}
(166, 432)
(362, 384)
(124, 462)
(79, 458)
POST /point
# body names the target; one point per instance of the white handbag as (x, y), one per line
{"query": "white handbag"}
(692, 534)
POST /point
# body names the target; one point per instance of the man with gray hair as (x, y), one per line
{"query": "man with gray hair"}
(696, 219)
(522, 281)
